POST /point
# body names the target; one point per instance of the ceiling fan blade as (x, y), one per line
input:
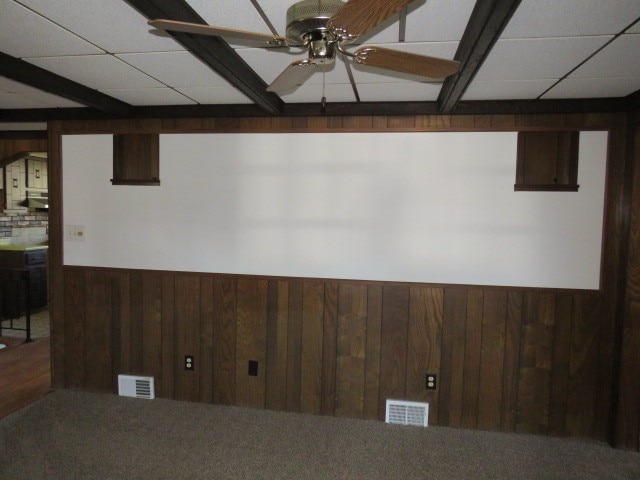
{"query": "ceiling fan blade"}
(431, 68)
(240, 37)
(293, 76)
(357, 17)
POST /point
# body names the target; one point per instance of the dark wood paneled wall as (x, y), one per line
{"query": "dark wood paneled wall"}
(9, 147)
(507, 359)
(628, 414)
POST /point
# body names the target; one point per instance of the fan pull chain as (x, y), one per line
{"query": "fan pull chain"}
(323, 102)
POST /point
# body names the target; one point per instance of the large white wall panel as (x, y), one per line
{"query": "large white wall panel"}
(424, 207)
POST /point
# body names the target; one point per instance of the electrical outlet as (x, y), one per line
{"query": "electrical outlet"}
(253, 368)
(74, 233)
(431, 381)
(188, 362)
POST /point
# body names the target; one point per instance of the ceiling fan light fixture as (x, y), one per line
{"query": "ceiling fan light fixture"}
(325, 28)
(310, 16)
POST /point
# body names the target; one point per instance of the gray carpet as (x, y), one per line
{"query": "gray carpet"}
(76, 435)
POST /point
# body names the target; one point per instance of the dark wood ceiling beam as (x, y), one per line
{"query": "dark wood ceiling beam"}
(34, 76)
(23, 135)
(488, 20)
(490, 107)
(531, 107)
(633, 100)
(213, 51)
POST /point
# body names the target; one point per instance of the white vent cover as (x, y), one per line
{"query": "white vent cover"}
(400, 412)
(135, 386)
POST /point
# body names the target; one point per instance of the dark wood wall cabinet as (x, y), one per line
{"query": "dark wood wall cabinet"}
(136, 159)
(547, 161)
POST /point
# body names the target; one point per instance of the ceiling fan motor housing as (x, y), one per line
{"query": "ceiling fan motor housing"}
(310, 16)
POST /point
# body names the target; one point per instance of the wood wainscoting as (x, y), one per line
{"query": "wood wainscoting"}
(506, 359)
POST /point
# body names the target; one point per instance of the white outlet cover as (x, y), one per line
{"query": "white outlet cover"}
(74, 233)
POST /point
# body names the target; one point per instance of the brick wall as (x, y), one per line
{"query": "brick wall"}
(10, 220)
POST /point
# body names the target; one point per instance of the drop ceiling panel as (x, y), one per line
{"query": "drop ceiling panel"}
(113, 25)
(14, 100)
(621, 58)
(571, 18)
(12, 86)
(34, 94)
(530, 59)
(214, 95)
(398, 92)
(635, 28)
(150, 96)
(312, 93)
(49, 99)
(507, 89)
(439, 21)
(175, 69)
(237, 14)
(36, 36)
(594, 87)
(101, 72)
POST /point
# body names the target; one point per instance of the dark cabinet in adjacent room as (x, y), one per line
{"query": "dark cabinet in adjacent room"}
(13, 286)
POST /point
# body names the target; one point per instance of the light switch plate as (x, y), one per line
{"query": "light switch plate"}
(74, 233)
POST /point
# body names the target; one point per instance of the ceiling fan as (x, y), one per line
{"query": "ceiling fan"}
(325, 28)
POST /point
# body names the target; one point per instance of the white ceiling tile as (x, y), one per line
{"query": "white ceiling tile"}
(635, 28)
(9, 85)
(236, 14)
(14, 100)
(211, 95)
(312, 93)
(36, 36)
(363, 74)
(175, 69)
(571, 18)
(101, 72)
(149, 96)
(269, 63)
(49, 99)
(29, 92)
(537, 58)
(621, 58)
(439, 21)
(506, 89)
(112, 25)
(398, 92)
(594, 87)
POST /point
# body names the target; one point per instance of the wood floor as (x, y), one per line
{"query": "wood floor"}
(25, 373)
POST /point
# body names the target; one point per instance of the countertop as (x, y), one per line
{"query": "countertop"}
(23, 248)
